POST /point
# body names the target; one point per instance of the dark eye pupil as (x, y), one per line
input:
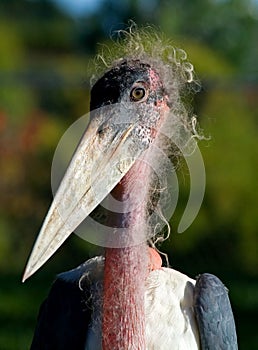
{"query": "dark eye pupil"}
(137, 94)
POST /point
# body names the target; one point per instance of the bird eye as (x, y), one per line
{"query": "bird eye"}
(137, 94)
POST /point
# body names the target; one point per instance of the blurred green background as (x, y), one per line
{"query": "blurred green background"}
(46, 49)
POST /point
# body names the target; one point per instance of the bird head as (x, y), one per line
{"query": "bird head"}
(129, 81)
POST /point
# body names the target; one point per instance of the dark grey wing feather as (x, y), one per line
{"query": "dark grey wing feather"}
(214, 314)
(65, 316)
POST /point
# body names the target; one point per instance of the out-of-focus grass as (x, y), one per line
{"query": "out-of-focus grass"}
(19, 305)
(244, 299)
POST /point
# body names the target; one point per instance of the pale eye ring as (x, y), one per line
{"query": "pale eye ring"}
(137, 94)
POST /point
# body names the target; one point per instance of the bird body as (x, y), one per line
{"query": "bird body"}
(168, 303)
(71, 316)
(125, 301)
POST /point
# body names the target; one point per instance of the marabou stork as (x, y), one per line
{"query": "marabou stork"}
(126, 299)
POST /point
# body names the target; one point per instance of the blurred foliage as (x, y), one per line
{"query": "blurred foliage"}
(45, 68)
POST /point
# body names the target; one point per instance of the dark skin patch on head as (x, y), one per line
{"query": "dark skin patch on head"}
(110, 88)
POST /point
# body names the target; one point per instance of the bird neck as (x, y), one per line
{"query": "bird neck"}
(123, 325)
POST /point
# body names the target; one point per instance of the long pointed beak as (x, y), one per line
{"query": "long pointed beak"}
(105, 153)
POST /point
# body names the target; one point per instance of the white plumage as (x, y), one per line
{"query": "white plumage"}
(170, 319)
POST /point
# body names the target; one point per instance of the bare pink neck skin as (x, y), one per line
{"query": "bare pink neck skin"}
(123, 325)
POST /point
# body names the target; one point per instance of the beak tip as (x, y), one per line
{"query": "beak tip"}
(25, 276)
(28, 272)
